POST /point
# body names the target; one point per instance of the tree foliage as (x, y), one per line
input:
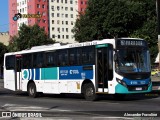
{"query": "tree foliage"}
(3, 50)
(118, 18)
(29, 36)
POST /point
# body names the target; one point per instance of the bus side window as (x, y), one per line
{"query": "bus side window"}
(27, 61)
(51, 59)
(38, 60)
(10, 62)
(72, 56)
(88, 56)
(63, 57)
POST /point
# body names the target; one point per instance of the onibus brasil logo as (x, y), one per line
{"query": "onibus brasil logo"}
(19, 15)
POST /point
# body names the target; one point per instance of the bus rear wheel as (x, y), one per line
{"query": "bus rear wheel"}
(89, 92)
(32, 92)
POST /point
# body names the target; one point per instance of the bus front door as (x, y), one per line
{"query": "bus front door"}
(18, 76)
(102, 68)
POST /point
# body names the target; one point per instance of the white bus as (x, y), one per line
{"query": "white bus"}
(110, 66)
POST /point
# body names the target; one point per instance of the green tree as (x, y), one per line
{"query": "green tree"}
(29, 36)
(118, 18)
(3, 50)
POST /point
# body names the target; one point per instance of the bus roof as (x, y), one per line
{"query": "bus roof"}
(57, 46)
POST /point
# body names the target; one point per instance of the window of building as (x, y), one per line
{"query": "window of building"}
(58, 29)
(65, 1)
(52, 21)
(58, 21)
(71, 1)
(52, 28)
(66, 22)
(43, 6)
(66, 15)
(57, 14)
(67, 36)
(71, 15)
(38, 5)
(52, 8)
(66, 8)
(52, 14)
(71, 8)
(53, 36)
(44, 13)
(57, 1)
(59, 36)
(66, 29)
(44, 21)
(58, 8)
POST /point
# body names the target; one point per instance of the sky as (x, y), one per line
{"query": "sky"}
(4, 17)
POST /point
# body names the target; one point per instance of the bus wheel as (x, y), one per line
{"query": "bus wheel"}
(32, 90)
(89, 92)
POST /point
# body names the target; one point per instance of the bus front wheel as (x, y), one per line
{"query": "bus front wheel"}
(89, 92)
(32, 90)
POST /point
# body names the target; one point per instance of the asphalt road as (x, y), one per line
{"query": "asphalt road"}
(72, 107)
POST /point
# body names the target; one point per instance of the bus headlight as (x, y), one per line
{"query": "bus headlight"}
(121, 82)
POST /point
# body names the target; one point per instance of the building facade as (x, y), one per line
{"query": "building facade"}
(82, 4)
(13, 29)
(58, 16)
(62, 17)
(28, 7)
(4, 38)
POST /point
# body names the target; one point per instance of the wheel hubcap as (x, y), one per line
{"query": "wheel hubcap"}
(89, 92)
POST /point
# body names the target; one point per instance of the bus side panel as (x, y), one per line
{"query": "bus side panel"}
(71, 78)
(9, 79)
(50, 78)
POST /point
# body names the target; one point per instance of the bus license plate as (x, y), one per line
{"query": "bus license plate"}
(138, 88)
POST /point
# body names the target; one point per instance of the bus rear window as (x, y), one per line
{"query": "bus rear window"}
(10, 62)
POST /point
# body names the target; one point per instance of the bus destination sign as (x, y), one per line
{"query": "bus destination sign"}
(123, 42)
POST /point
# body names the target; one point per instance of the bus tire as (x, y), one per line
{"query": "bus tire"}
(89, 92)
(32, 92)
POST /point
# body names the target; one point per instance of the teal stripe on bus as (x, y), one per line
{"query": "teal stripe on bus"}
(49, 73)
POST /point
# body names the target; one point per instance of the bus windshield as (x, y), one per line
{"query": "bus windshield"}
(132, 60)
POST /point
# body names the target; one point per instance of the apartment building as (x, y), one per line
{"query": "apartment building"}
(4, 38)
(62, 17)
(13, 29)
(58, 16)
(28, 7)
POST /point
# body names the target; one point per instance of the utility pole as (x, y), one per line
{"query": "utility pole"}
(158, 20)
